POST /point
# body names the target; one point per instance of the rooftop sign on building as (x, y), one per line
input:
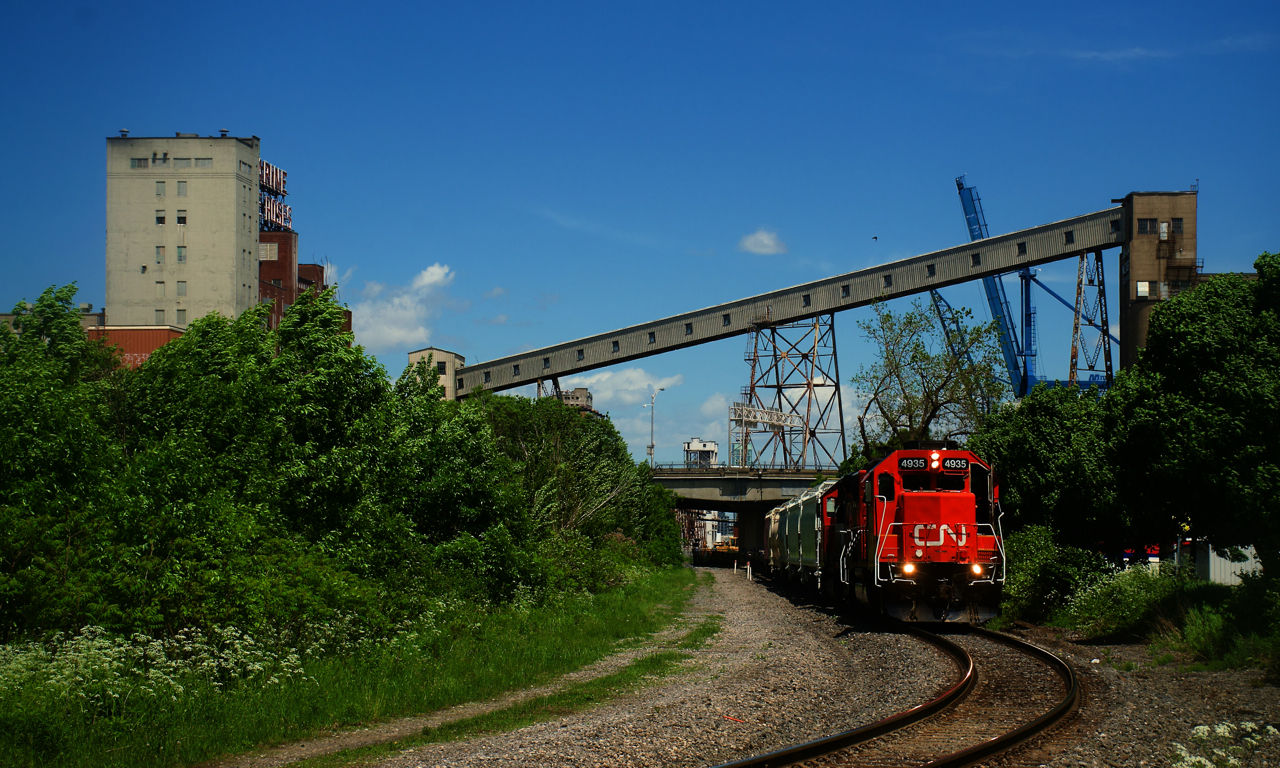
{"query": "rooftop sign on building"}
(273, 214)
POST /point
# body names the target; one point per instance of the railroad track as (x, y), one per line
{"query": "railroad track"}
(1008, 692)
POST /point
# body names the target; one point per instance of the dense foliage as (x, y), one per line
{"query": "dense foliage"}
(1187, 442)
(275, 479)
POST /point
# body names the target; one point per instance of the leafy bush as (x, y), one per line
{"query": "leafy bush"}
(1124, 602)
(1208, 632)
(1044, 575)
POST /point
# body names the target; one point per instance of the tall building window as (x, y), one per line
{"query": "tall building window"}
(442, 368)
(1147, 227)
(159, 254)
(138, 162)
(182, 217)
(182, 287)
(159, 217)
(182, 254)
(181, 162)
(182, 317)
(204, 162)
(159, 317)
(182, 189)
(159, 289)
(159, 189)
(1177, 226)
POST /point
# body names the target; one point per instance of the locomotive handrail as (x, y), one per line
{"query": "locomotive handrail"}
(825, 745)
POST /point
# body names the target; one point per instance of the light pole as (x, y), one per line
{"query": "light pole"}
(652, 400)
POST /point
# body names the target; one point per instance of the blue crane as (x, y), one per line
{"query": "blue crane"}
(1019, 359)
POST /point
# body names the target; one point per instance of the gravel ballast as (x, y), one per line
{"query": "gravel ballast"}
(792, 673)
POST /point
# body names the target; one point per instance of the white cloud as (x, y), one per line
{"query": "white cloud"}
(435, 276)
(629, 386)
(399, 318)
(762, 242)
(496, 292)
(715, 406)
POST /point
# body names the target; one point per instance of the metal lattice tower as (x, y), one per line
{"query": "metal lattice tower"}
(791, 415)
(1091, 338)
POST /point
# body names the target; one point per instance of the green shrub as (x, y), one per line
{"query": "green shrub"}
(1124, 602)
(1043, 575)
(1208, 632)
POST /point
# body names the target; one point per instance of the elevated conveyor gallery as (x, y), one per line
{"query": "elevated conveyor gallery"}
(971, 261)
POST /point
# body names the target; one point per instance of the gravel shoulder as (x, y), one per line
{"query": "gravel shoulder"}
(789, 672)
(1134, 717)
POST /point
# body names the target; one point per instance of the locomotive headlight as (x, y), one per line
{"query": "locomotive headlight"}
(933, 460)
(908, 568)
(977, 569)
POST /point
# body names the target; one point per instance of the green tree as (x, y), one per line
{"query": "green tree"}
(916, 389)
(1196, 422)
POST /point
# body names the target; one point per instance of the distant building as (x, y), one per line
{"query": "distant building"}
(446, 364)
(579, 397)
(701, 454)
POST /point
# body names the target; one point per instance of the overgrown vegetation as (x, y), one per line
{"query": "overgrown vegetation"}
(250, 506)
(1186, 444)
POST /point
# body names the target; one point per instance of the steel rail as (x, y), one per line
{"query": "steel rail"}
(976, 754)
(865, 733)
(961, 759)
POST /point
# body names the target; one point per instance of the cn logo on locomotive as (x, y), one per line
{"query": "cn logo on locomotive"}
(959, 539)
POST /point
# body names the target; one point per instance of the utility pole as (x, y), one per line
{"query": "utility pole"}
(652, 400)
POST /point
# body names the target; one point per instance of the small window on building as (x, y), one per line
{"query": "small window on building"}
(442, 368)
(1022, 249)
(615, 346)
(1144, 289)
(458, 383)
(977, 259)
(182, 316)
(159, 189)
(724, 320)
(652, 337)
(182, 218)
(1069, 237)
(888, 281)
(1115, 225)
(182, 287)
(268, 251)
(931, 269)
(159, 254)
(159, 217)
(181, 162)
(546, 362)
(515, 370)
(182, 254)
(144, 269)
(159, 289)
(182, 189)
(580, 355)
(204, 162)
(138, 162)
(844, 291)
(688, 331)
(805, 300)
(159, 317)
(1177, 226)
(1147, 227)
(486, 377)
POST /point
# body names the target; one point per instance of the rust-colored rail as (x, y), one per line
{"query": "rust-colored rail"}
(860, 746)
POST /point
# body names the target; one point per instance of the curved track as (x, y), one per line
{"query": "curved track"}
(1008, 692)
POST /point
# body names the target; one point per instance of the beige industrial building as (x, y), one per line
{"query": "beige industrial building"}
(182, 228)
(446, 364)
(1157, 262)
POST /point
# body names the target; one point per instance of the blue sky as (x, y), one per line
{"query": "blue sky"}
(495, 177)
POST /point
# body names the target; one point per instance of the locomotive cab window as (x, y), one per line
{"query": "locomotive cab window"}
(980, 478)
(884, 486)
(951, 482)
(917, 481)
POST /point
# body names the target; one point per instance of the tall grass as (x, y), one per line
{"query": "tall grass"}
(93, 700)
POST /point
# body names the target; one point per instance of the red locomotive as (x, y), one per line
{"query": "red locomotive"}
(917, 536)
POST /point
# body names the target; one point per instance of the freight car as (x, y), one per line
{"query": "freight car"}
(917, 536)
